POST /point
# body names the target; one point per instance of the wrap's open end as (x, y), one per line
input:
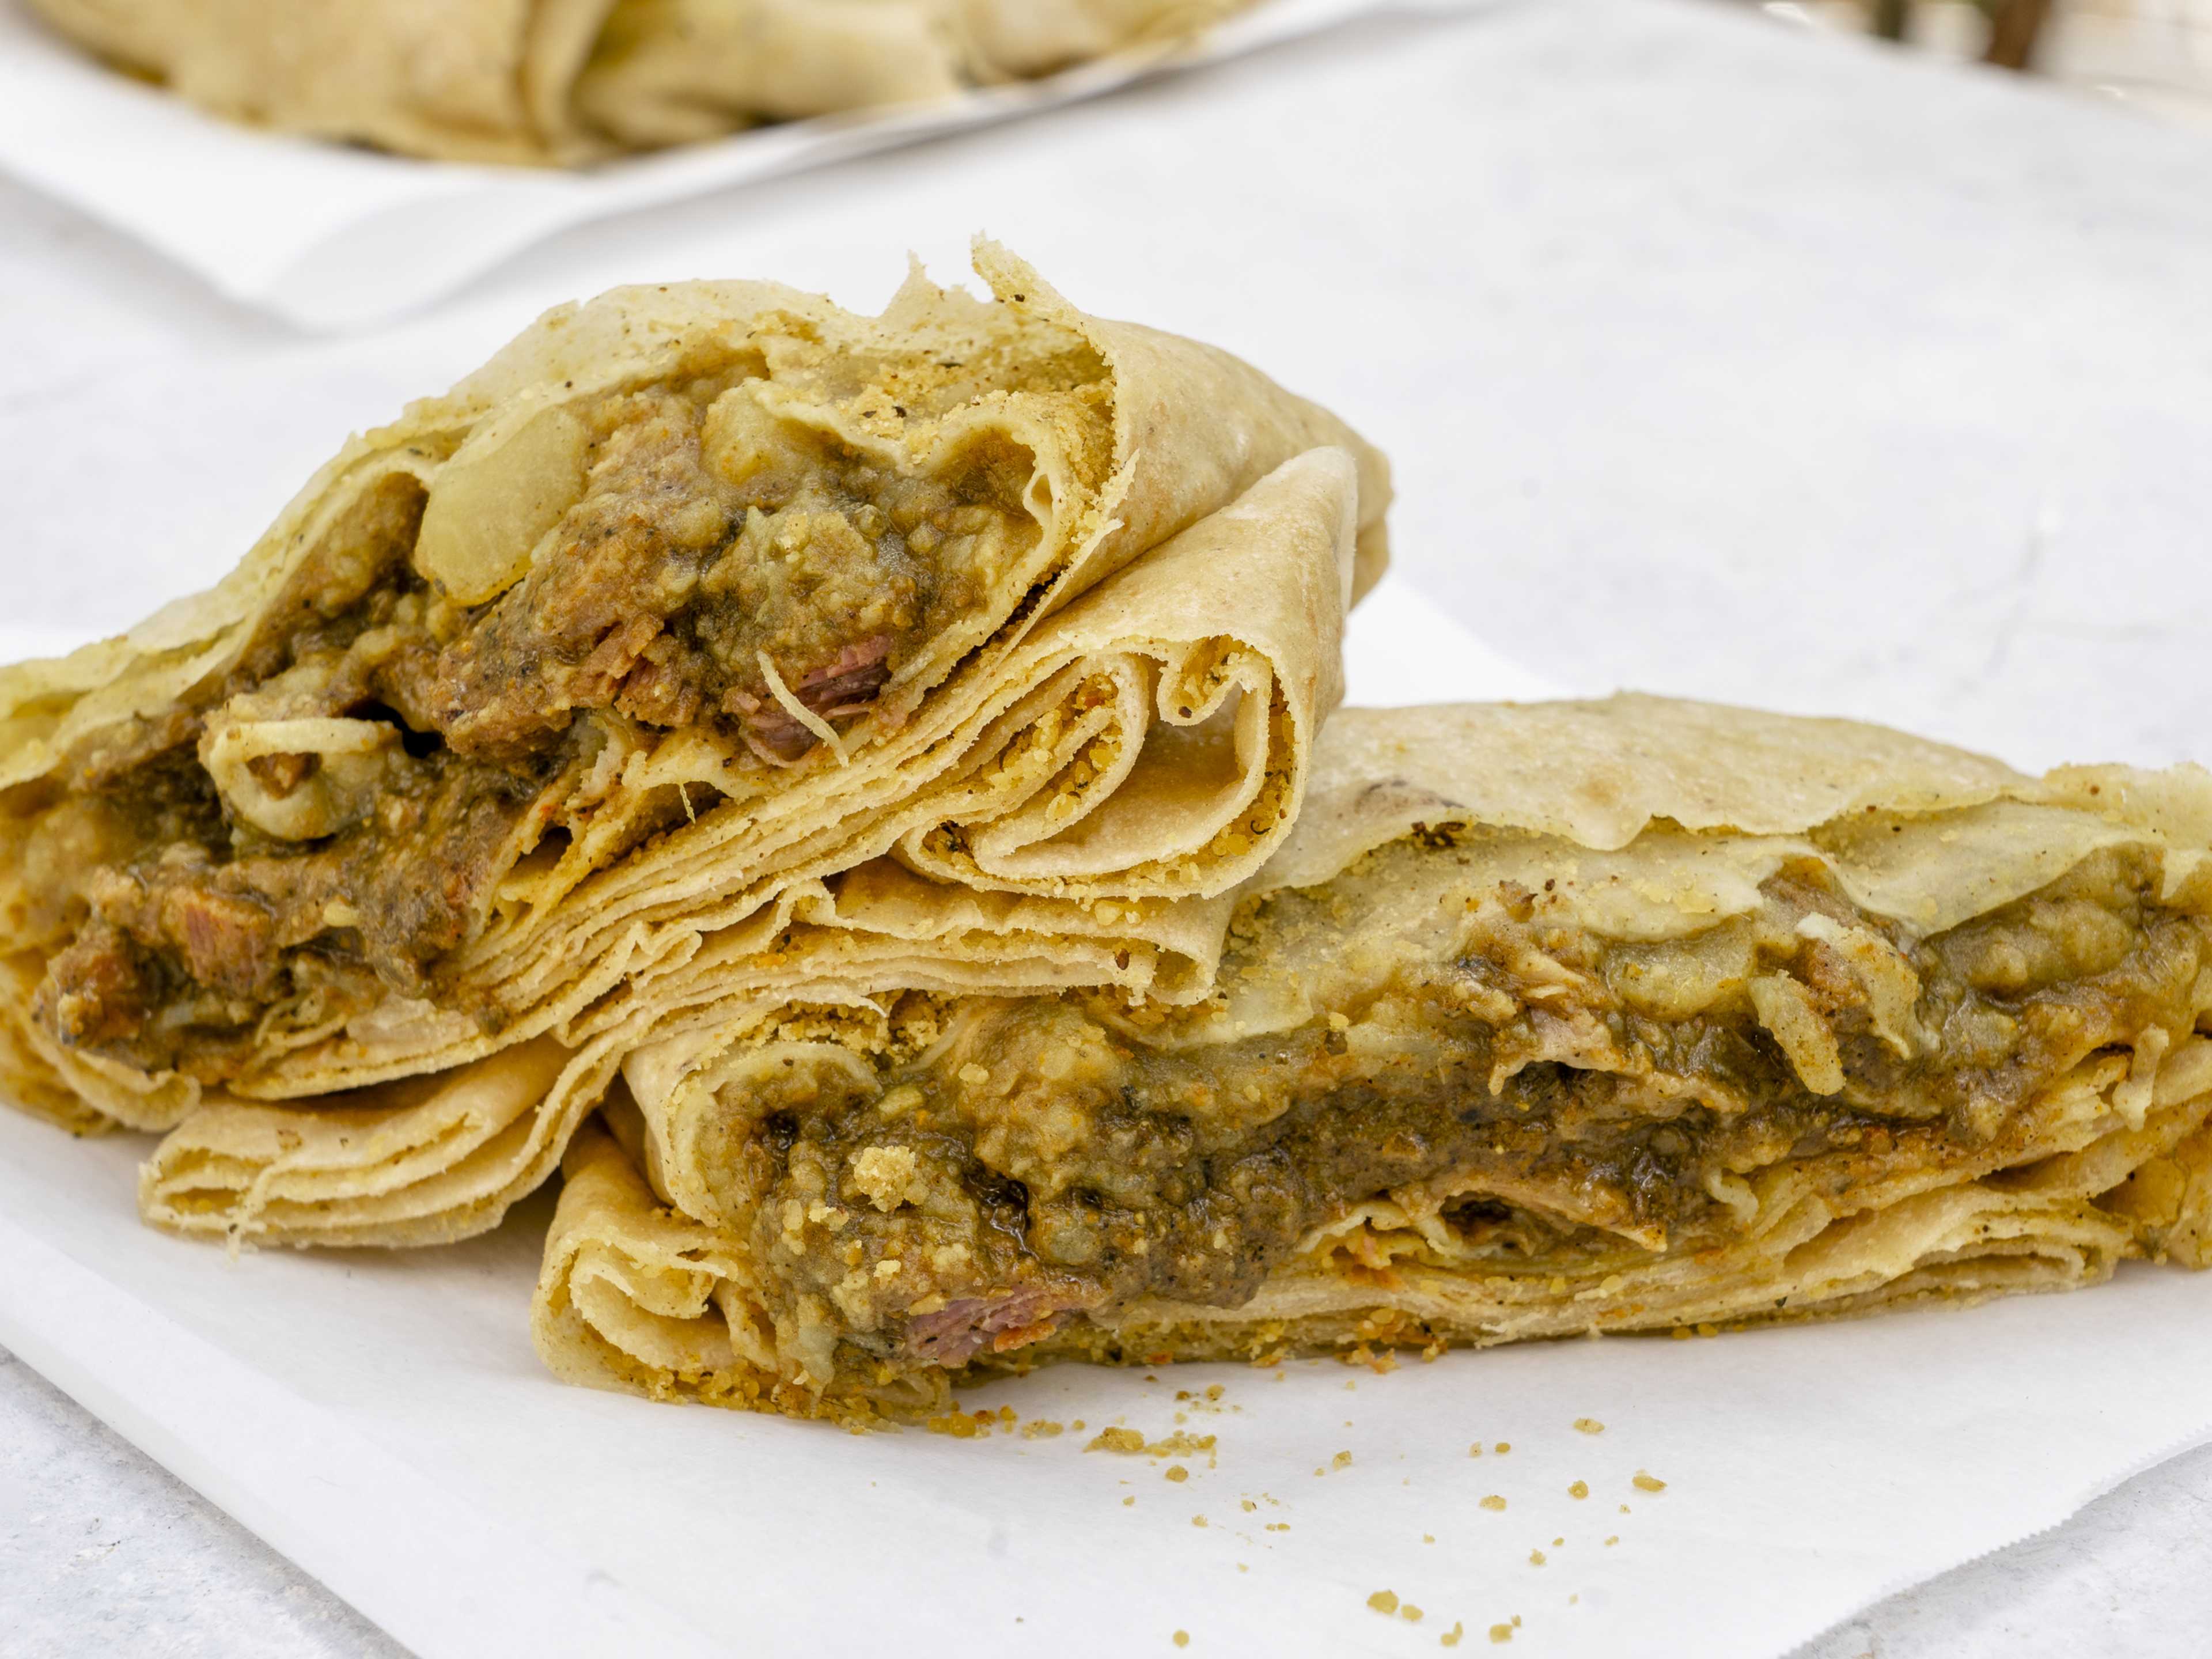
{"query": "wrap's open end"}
(1565, 1018)
(707, 640)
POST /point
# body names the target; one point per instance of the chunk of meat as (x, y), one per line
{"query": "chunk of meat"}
(99, 991)
(842, 687)
(572, 632)
(960, 1330)
(667, 687)
(226, 940)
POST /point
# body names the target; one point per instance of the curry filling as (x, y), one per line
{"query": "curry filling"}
(998, 1170)
(329, 823)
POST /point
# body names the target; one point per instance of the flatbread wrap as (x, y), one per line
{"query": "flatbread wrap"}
(570, 81)
(705, 625)
(1549, 1020)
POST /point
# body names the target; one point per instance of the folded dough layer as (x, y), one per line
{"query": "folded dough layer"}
(574, 81)
(1565, 1017)
(691, 602)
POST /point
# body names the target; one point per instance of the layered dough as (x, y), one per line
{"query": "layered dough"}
(569, 82)
(709, 640)
(1554, 1019)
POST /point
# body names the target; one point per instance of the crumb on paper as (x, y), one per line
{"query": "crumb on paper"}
(1279, 1525)
(1042, 1428)
(1589, 1425)
(1428, 1538)
(1075, 1427)
(1557, 1543)
(1708, 1330)
(1494, 1502)
(1128, 1503)
(1176, 1472)
(1535, 1558)
(1383, 1601)
(1681, 1333)
(1129, 1442)
(1197, 1519)
(1643, 1482)
(1341, 1460)
(1450, 1637)
(1182, 1638)
(1611, 1542)
(1411, 1615)
(1501, 1633)
(1503, 1447)
(1580, 1489)
(1475, 1450)
(1247, 1506)
(960, 1426)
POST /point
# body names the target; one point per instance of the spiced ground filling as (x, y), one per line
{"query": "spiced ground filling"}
(1039, 1165)
(720, 567)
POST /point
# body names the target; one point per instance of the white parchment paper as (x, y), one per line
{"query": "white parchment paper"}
(331, 237)
(381, 1420)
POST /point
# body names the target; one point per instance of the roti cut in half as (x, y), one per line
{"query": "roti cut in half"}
(984, 633)
(1549, 1020)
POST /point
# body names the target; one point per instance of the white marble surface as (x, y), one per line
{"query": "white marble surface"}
(103, 1551)
(1749, 363)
